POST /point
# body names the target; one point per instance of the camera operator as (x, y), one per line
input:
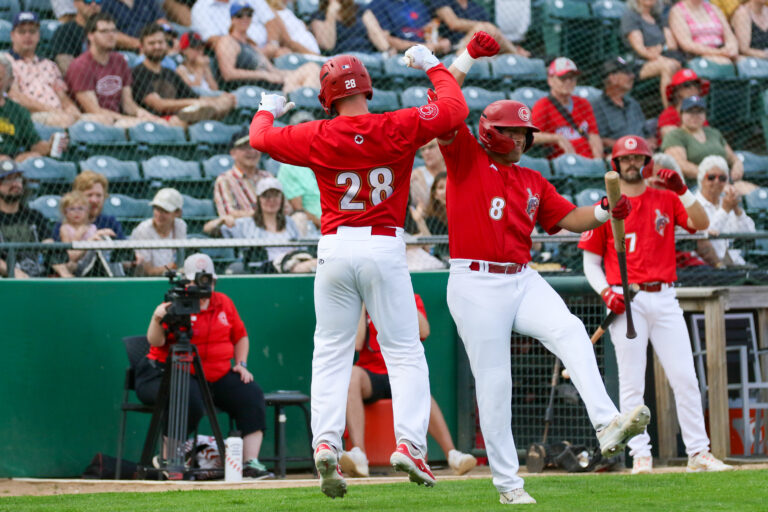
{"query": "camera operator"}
(219, 335)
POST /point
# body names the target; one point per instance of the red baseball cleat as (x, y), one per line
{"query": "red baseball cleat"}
(415, 465)
(332, 483)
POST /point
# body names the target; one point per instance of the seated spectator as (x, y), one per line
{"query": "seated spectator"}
(420, 257)
(750, 24)
(722, 202)
(76, 227)
(64, 10)
(436, 215)
(195, 70)
(301, 191)
(69, 40)
(165, 224)
(130, 17)
(18, 223)
(685, 83)
(616, 112)
(460, 19)
(100, 79)
(701, 30)
(693, 142)
(423, 176)
(369, 383)
(650, 38)
(220, 335)
(94, 187)
(163, 92)
(513, 18)
(172, 51)
(298, 37)
(239, 58)
(340, 26)
(567, 122)
(18, 138)
(270, 224)
(407, 22)
(234, 191)
(212, 20)
(38, 84)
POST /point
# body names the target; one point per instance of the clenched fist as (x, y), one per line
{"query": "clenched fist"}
(482, 45)
(275, 103)
(614, 301)
(672, 181)
(420, 57)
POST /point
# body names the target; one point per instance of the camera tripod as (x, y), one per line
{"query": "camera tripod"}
(172, 407)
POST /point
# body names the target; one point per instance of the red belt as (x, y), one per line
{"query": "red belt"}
(493, 268)
(651, 287)
(375, 230)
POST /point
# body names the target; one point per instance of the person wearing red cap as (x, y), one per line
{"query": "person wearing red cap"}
(493, 205)
(684, 83)
(195, 70)
(566, 121)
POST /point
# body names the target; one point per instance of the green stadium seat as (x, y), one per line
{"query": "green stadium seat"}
(609, 13)
(43, 8)
(478, 98)
(537, 164)
(580, 172)
(87, 138)
(184, 176)
(5, 34)
(305, 98)
(217, 164)
(47, 29)
(480, 71)
(202, 208)
(270, 165)
(706, 69)
(374, 62)
(569, 29)
(415, 96)
(212, 137)
(757, 199)
(514, 70)
(587, 92)
(306, 8)
(127, 208)
(383, 101)
(589, 196)
(755, 166)
(45, 131)
(249, 96)
(8, 9)
(123, 176)
(527, 95)
(290, 61)
(48, 176)
(751, 67)
(130, 57)
(153, 138)
(48, 205)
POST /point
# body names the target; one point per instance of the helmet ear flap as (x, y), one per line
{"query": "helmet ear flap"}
(528, 140)
(647, 170)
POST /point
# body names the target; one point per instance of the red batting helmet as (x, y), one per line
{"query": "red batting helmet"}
(505, 113)
(340, 77)
(632, 145)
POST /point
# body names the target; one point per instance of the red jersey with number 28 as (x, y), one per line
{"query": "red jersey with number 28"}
(649, 235)
(363, 163)
(492, 208)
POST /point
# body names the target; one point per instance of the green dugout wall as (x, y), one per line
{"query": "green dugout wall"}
(63, 360)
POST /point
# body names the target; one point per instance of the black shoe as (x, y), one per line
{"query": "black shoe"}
(256, 470)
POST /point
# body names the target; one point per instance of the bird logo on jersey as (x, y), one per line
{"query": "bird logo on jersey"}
(661, 222)
(533, 204)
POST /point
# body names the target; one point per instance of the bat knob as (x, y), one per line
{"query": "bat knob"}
(565, 373)
(631, 334)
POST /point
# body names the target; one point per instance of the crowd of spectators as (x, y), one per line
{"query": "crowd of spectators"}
(187, 55)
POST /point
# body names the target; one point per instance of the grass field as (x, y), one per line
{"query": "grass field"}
(736, 491)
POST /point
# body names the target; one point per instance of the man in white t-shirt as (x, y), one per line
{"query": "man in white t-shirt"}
(166, 223)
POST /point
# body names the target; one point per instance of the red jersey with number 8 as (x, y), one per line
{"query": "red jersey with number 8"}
(363, 163)
(493, 208)
(649, 236)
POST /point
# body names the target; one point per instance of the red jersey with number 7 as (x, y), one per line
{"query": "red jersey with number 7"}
(363, 163)
(493, 208)
(649, 236)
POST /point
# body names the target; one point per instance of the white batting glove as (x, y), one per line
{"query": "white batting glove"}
(420, 57)
(275, 103)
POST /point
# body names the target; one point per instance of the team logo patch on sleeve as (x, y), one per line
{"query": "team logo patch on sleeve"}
(533, 204)
(662, 220)
(428, 112)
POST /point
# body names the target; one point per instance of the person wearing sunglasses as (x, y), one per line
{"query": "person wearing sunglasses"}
(69, 40)
(722, 202)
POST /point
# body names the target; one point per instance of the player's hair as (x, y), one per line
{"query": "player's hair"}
(708, 163)
(87, 179)
(72, 198)
(435, 208)
(92, 23)
(258, 215)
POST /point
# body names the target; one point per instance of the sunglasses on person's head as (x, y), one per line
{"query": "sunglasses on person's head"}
(720, 177)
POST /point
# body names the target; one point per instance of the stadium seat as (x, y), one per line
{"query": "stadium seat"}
(527, 95)
(609, 13)
(47, 205)
(537, 164)
(515, 70)
(45, 131)
(5, 34)
(415, 96)
(589, 196)
(194, 207)
(217, 164)
(170, 168)
(568, 28)
(478, 98)
(221, 256)
(374, 62)
(153, 138)
(296, 60)
(755, 166)
(48, 176)
(383, 101)
(305, 98)
(47, 29)
(751, 67)
(587, 92)
(757, 199)
(87, 138)
(396, 70)
(706, 69)
(127, 207)
(306, 8)
(43, 8)
(124, 177)
(480, 70)
(130, 57)
(212, 137)
(248, 97)
(8, 9)
(579, 171)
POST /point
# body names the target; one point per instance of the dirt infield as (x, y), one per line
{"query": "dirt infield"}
(42, 486)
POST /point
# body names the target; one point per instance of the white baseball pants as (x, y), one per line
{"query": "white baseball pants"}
(354, 267)
(487, 308)
(657, 315)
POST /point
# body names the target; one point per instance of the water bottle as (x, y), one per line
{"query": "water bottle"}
(56, 150)
(233, 465)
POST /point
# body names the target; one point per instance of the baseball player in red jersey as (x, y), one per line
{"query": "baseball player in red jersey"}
(493, 205)
(363, 165)
(650, 243)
